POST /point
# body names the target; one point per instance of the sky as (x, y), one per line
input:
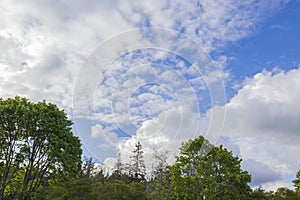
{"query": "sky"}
(163, 72)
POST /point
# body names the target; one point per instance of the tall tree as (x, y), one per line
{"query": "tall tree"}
(160, 183)
(217, 174)
(36, 143)
(120, 171)
(118, 168)
(138, 168)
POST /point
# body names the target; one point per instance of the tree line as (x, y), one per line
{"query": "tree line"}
(40, 158)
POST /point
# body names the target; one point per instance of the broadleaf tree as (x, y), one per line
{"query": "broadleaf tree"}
(36, 143)
(202, 171)
(297, 182)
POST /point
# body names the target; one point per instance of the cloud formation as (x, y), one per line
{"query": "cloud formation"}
(266, 106)
(262, 119)
(260, 128)
(64, 33)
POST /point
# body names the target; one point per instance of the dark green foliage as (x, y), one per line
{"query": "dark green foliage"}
(160, 185)
(280, 194)
(260, 194)
(285, 193)
(122, 191)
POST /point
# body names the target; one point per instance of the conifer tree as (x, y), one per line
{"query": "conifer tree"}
(138, 168)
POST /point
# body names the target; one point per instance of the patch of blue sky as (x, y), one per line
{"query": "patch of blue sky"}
(126, 134)
(82, 128)
(274, 45)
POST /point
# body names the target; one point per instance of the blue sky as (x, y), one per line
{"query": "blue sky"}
(226, 70)
(273, 44)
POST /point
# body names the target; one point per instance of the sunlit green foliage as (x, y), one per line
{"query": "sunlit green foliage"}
(203, 171)
(36, 144)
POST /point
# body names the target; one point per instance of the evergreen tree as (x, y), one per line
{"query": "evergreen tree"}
(160, 183)
(137, 167)
(118, 168)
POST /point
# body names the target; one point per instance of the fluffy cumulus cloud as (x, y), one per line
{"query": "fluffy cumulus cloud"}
(263, 120)
(164, 133)
(266, 106)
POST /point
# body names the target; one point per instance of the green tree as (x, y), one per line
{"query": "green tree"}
(160, 183)
(285, 194)
(260, 194)
(118, 190)
(137, 167)
(11, 112)
(297, 182)
(84, 186)
(118, 168)
(36, 144)
(202, 171)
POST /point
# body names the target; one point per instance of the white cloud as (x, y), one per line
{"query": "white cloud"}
(165, 132)
(261, 173)
(134, 92)
(45, 44)
(64, 33)
(267, 106)
(212, 23)
(262, 119)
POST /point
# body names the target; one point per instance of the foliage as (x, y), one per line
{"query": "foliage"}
(120, 190)
(281, 194)
(297, 182)
(285, 193)
(160, 186)
(215, 174)
(260, 194)
(36, 145)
